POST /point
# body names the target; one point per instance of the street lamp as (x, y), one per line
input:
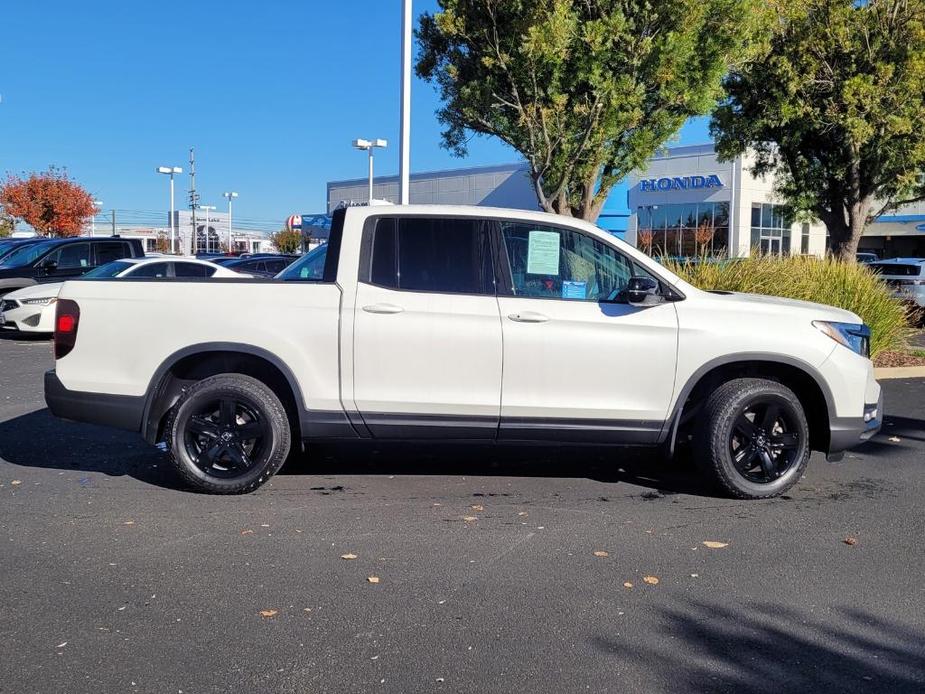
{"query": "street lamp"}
(207, 208)
(231, 196)
(369, 146)
(171, 170)
(96, 204)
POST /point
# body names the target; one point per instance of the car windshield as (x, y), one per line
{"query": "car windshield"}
(309, 268)
(113, 269)
(27, 254)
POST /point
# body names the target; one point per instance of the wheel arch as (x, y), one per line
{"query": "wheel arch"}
(801, 377)
(195, 362)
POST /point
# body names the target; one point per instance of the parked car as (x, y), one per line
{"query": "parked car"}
(264, 265)
(905, 276)
(31, 309)
(866, 257)
(55, 260)
(465, 323)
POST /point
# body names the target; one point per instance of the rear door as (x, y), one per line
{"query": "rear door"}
(107, 251)
(427, 333)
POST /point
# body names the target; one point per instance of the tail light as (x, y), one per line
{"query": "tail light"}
(67, 319)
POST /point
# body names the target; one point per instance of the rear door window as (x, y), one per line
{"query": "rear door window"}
(422, 254)
(192, 270)
(107, 251)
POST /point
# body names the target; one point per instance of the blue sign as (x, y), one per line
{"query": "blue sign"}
(652, 185)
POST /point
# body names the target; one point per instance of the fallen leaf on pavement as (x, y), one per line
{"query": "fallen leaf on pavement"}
(373, 579)
(61, 645)
(627, 585)
(712, 544)
(477, 507)
(247, 532)
(651, 580)
(15, 482)
(348, 556)
(129, 522)
(850, 540)
(523, 513)
(892, 439)
(601, 553)
(469, 519)
(269, 613)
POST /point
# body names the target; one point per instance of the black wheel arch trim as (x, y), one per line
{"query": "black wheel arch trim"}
(152, 417)
(670, 431)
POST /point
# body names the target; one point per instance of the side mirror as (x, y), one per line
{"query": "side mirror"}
(638, 289)
(48, 265)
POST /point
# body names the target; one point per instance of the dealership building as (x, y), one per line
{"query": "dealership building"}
(685, 202)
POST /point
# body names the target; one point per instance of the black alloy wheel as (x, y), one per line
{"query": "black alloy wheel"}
(751, 439)
(764, 442)
(225, 436)
(229, 434)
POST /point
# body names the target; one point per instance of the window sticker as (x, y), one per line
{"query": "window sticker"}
(574, 290)
(543, 253)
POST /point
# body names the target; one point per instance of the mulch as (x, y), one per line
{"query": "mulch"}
(891, 359)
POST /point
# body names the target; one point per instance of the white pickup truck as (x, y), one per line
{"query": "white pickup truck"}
(463, 324)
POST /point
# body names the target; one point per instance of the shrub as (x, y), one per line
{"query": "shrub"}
(850, 286)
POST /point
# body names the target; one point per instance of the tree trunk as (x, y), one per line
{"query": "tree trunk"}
(845, 235)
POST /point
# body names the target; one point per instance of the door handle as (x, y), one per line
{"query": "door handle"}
(383, 308)
(528, 317)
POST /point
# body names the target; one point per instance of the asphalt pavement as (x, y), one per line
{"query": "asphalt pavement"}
(491, 567)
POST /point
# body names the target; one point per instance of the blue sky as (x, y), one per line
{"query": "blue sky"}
(269, 93)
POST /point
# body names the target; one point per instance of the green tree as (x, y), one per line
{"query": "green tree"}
(833, 105)
(585, 90)
(287, 240)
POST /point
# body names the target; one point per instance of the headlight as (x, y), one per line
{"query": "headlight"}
(44, 301)
(851, 335)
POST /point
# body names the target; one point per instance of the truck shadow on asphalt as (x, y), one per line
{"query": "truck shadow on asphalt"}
(761, 648)
(40, 440)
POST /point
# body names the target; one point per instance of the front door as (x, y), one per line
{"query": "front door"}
(578, 364)
(69, 261)
(427, 334)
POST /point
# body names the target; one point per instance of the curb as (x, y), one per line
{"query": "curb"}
(886, 373)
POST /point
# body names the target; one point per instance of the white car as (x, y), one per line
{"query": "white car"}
(905, 276)
(458, 323)
(32, 310)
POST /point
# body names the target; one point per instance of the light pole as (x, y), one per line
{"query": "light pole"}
(369, 146)
(231, 196)
(171, 170)
(404, 136)
(207, 208)
(96, 204)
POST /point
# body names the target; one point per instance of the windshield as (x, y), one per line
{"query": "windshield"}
(27, 254)
(309, 268)
(113, 269)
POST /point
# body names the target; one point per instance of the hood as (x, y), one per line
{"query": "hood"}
(36, 291)
(778, 304)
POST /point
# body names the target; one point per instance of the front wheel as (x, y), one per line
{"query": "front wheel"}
(228, 435)
(756, 439)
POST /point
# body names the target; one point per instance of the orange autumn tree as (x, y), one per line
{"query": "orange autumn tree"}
(49, 202)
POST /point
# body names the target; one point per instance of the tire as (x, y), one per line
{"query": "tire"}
(756, 443)
(228, 435)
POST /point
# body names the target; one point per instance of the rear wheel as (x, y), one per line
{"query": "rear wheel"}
(756, 439)
(228, 435)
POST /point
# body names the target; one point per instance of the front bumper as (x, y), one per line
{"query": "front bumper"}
(847, 432)
(119, 411)
(38, 318)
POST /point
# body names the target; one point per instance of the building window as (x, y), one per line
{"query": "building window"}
(771, 229)
(684, 230)
(804, 240)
